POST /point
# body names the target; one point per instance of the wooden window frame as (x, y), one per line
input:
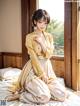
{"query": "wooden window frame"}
(70, 45)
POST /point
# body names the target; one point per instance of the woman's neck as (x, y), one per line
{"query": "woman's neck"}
(38, 31)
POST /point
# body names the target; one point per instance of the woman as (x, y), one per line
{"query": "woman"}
(37, 82)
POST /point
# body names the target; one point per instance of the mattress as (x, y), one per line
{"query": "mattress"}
(71, 100)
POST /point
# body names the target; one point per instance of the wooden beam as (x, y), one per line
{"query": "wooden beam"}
(67, 43)
(74, 47)
(27, 8)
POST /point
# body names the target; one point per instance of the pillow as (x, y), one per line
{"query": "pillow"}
(9, 73)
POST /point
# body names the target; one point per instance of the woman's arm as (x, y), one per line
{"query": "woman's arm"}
(47, 47)
(35, 62)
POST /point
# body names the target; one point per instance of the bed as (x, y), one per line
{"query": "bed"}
(6, 78)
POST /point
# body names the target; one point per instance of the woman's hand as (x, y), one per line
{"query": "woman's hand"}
(44, 78)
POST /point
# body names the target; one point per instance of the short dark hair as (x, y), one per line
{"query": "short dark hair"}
(40, 13)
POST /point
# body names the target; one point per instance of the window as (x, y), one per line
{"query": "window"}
(56, 26)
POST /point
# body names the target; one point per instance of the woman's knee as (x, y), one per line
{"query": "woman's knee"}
(61, 97)
(58, 94)
(57, 90)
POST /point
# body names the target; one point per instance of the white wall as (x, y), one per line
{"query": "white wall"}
(10, 26)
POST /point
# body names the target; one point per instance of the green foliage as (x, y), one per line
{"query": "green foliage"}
(57, 30)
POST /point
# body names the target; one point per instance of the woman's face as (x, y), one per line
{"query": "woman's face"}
(41, 24)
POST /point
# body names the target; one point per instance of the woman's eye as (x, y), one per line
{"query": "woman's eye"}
(40, 22)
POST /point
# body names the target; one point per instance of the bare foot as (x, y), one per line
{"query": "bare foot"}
(12, 97)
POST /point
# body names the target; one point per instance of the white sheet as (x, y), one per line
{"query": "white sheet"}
(72, 100)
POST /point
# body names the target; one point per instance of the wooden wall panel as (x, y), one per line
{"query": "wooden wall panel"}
(58, 66)
(15, 60)
(12, 60)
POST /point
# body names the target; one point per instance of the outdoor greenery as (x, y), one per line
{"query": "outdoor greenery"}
(57, 30)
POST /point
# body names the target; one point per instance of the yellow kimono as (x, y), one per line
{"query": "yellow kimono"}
(35, 89)
(35, 51)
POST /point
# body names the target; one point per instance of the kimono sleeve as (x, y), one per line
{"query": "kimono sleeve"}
(35, 62)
